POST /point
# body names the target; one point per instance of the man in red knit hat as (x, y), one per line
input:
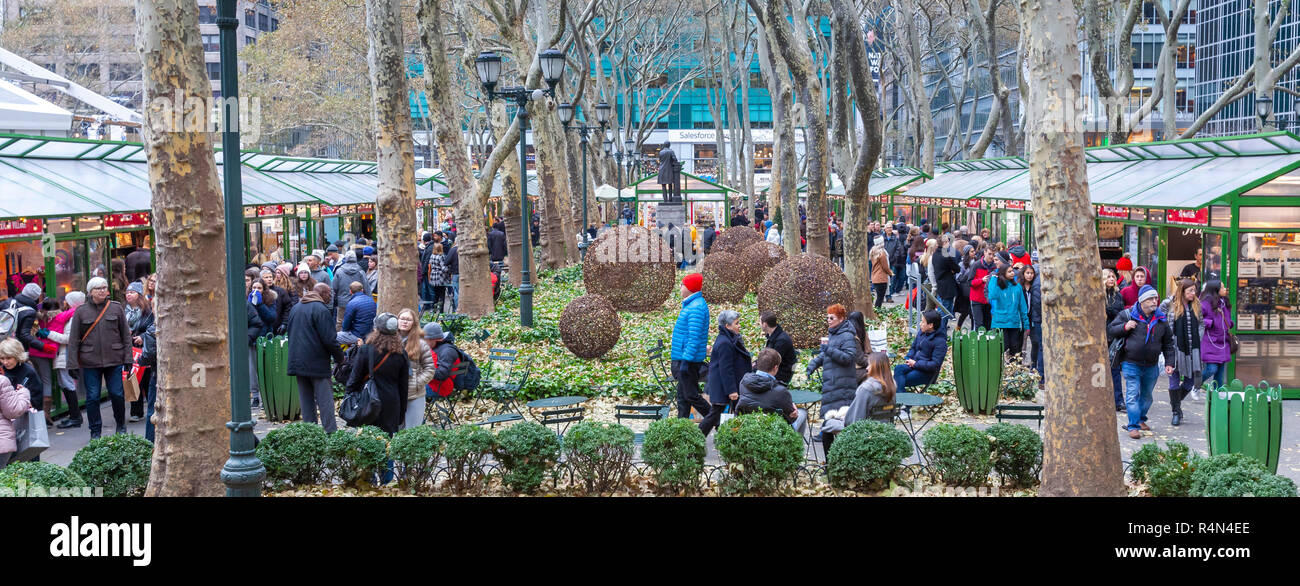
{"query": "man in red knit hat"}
(690, 346)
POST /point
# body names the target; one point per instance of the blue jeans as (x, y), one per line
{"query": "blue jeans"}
(1139, 382)
(1214, 370)
(426, 295)
(1117, 384)
(110, 377)
(148, 414)
(455, 292)
(906, 376)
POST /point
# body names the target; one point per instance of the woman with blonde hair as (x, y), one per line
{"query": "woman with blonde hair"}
(1185, 317)
(876, 390)
(15, 367)
(421, 361)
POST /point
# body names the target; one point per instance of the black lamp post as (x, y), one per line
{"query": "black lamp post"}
(488, 65)
(567, 111)
(243, 472)
(628, 145)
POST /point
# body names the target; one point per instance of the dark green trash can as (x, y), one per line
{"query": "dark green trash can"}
(977, 368)
(1242, 419)
(279, 390)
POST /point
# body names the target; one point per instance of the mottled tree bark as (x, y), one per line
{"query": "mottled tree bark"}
(849, 38)
(784, 165)
(911, 50)
(395, 204)
(448, 115)
(793, 45)
(193, 398)
(1081, 455)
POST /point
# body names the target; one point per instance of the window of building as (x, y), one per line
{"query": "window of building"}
(123, 71)
(250, 19)
(275, 24)
(263, 22)
(85, 70)
(214, 71)
(207, 14)
(211, 43)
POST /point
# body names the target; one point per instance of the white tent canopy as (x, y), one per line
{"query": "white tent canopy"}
(22, 112)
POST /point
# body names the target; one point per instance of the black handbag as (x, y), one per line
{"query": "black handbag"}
(1116, 350)
(362, 407)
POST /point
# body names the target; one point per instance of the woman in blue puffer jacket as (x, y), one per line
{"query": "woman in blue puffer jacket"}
(1010, 313)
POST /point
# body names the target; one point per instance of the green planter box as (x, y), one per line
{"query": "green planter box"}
(1245, 420)
(279, 390)
(977, 368)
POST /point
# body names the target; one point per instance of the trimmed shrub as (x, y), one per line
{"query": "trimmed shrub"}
(118, 463)
(600, 453)
(415, 452)
(674, 448)
(466, 446)
(294, 455)
(632, 267)
(726, 278)
(798, 291)
(865, 454)
(735, 239)
(759, 258)
(41, 476)
(355, 456)
(1235, 475)
(1017, 453)
(762, 451)
(527, 451)
(589, 326)
(1165, 472)
(960, 453)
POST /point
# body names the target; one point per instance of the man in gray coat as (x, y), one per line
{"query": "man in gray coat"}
(99, 344)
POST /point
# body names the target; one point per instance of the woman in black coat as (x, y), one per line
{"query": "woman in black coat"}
(383, 360)
(728, 363)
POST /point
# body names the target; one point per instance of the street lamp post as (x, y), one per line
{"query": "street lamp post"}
(1264, 110)
(628, 145)
(243, 472)
(567, 111)
(488, 65)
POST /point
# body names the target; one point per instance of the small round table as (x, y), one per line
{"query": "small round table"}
(562, 411)
(920, 400)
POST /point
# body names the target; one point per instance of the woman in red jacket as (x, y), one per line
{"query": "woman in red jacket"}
(1130, 293)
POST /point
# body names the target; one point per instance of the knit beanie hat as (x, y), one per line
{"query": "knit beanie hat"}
(285, 269)
(136, 286)
(32, 291)
(1147, 292)
(386, 323)
(693, 282)
(75, 298)
(1124, 264)
(303, 268)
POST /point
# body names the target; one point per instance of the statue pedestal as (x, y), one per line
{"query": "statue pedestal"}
(670, 212)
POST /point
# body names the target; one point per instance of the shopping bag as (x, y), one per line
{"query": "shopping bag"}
(131, 377)
(727, 415)
(33, 437)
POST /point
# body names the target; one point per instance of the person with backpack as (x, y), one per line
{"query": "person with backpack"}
(446, 356)
(100, 345)
(20, 315)
(341, 287)
(383, 363)
(1146, 335)
(312, 343)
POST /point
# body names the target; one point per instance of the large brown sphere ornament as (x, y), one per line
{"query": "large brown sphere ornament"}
(632, 267)
(798, 291)
(735, 239)
(759, 258)
(589, 326)
(726, 278)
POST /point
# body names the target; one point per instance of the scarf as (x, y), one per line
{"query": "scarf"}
(1156, 316)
